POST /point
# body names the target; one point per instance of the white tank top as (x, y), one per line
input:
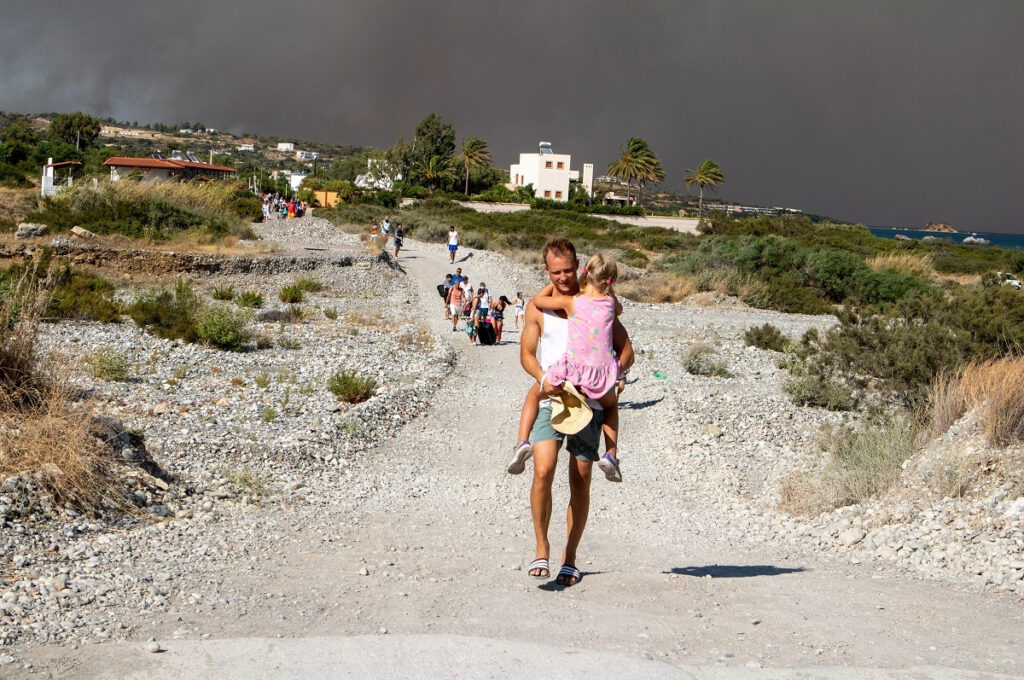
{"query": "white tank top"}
(553, 342)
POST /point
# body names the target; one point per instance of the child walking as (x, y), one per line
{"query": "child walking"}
(589, 362)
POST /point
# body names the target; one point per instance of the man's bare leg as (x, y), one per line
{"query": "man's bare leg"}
(545, 460)
(579, 508)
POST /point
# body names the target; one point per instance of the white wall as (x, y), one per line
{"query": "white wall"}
(532, 169)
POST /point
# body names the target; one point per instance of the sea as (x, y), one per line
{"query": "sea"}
(1015, 241)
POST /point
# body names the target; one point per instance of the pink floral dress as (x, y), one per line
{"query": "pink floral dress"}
(589, 362)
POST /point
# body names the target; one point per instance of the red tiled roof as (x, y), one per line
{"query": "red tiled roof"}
(203, 166)
(125, 162)
(166, 164)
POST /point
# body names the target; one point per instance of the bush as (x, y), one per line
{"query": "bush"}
(331, 313)
(866, 461)
(699, 360)
(224, 327)
(168, 314)
(109, 365)
(350, 387)
(766, 337)
(823, 391)
(291, 294)
(224, 293)
(249, 298)
(308, 284)
(78, 295)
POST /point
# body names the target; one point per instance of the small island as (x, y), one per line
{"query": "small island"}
(938, 226)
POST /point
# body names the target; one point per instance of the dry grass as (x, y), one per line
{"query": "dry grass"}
(657, 287)
(946, 403)
(962, 279)
(863, 462)
(62, 450)
(363, 317)
(997, 388)
(40, 433)
(920, 265)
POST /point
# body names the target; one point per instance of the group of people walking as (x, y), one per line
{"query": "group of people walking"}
(275, 206)
(482, 313)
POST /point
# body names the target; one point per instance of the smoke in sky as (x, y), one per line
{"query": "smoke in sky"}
(879, 112)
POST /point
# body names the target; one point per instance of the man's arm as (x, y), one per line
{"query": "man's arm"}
(528, 340)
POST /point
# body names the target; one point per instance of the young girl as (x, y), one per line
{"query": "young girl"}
(589, 362)
(520, 309)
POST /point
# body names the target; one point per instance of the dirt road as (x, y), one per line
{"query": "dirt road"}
(418, 570)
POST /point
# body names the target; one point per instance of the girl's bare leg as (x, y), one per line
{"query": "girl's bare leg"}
(531, 405)
(610, 402)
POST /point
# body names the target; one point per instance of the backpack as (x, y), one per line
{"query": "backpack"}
(442, 291)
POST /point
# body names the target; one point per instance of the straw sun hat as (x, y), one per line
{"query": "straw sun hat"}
(570, 412)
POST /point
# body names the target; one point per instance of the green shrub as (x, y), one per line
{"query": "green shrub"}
(700, 360)
(350, 387)
(78, 295)
(766, 337)
(224, 327)
(331, 313)
(168, 314)
(287, 342)
(224, 293)
(291, 294)
(249, 298)
(307, 284)
(109, 365)
(268, 414)
(816, 389)
(262, 380)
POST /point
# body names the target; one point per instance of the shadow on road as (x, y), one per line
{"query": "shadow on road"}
(734, 570)
(640, 404)
(553, 586)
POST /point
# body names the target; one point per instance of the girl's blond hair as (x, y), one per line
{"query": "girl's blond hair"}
(600, 272)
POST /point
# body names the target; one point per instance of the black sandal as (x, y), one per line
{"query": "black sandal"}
(569, 575)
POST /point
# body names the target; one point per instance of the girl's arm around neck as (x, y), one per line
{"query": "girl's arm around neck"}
(554, 303)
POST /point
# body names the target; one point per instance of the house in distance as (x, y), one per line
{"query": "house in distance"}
(549, 173)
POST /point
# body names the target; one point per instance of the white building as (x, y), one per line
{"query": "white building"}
(246, 147)
(285, 146)
(307, 155)
(549, 173)
(295, 181)
(378, 175)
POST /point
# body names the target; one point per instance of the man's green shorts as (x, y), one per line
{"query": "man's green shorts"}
(584, 444)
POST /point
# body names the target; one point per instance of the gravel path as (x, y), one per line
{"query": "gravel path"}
(406, 524)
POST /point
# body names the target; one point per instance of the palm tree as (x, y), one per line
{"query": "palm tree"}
(637, 162)
(435, 171)
(708, 175)
(475, 154)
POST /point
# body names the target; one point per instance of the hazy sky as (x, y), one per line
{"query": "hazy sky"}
(881, 112)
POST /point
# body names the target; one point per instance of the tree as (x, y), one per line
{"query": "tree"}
(708, 175)
(433, 137)
(21, 132)
(76, 128)
(434, 172)
(636, 162)
(475, 154)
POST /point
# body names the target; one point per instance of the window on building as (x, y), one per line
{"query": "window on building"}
(547, 164)
(561, 165)
(547, 194)
(558, 194)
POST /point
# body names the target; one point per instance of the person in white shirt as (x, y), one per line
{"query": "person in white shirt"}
(453, 243)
